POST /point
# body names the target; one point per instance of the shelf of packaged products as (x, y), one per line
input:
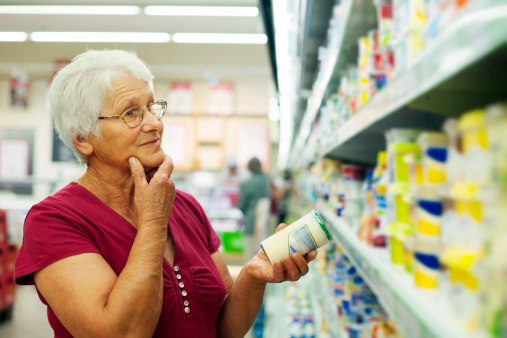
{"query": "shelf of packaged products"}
(358, 16)
(323, 309)
(463, 68)
(323, 306)
(416, 313)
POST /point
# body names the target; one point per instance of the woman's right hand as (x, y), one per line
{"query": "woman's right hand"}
(154, 192)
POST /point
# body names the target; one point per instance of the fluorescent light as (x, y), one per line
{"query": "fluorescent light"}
(81, 10)
(13, 36)
(99, 37)
(201, 11)
(219, 38)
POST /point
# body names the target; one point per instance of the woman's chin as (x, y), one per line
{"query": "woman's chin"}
(153, 162)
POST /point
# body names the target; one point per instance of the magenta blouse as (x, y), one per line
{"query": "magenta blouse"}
(74, 221)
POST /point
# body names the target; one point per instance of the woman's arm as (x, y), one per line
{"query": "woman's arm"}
(244, 296)
(85, 293)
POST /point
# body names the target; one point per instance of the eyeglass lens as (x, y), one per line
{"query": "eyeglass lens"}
(133, 116)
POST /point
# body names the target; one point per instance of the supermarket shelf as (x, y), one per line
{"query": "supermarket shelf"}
(417, 314)
(358, 18)
(318, 290)
(323, 308)
(464, 68)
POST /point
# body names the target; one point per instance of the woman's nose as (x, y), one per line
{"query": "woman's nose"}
(151, 120)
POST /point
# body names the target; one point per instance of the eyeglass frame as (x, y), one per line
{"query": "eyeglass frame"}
(143, 108)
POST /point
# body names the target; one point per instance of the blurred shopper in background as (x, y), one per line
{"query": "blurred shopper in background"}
(250, 192)
(280, 192)
(232, 176)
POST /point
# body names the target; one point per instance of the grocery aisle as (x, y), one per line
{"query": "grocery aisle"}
(400, 148)
(29, 317)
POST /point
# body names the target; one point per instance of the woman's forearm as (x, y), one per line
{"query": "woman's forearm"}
(241, 306)
(135, 302)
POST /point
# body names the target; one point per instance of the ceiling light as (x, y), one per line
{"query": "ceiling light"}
(81, 10)
(201, 11)
(99, 37)
(13, 36)
(219, 38)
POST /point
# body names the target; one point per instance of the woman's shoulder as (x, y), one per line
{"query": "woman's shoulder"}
(185, 197)
(69, 200)
(64, 195)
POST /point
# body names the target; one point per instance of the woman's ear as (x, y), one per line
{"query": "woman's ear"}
(82, 144)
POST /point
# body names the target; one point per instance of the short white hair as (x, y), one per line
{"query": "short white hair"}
(79, 90)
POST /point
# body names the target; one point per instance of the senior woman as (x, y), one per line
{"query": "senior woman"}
(121, 252)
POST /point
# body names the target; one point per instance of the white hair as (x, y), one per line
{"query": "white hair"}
(78, 92)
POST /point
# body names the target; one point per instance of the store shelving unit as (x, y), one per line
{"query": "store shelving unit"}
(323, 304)
(323, 307)
(358, 17)
(463, 68)
(417, 314)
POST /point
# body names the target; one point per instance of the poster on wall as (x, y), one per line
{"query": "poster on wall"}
(221, 100)
(181, 98)
(19, 88)
(175, 143)
(252, 141)
(16, 160)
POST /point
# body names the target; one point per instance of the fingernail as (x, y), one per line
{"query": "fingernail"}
(132, 161)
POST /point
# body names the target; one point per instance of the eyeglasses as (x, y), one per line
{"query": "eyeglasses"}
(134, 116)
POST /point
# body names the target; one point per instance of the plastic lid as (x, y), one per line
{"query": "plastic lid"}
(404, 135)
(432, 138)
(496, 112)
(381, 158)
(322, 225)
(472, 120)
(405, 147)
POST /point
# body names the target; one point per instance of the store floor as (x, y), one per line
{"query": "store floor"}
(29, 317)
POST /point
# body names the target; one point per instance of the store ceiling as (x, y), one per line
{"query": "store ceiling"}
(172, 59)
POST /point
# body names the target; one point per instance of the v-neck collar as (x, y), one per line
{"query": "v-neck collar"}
(175, 228)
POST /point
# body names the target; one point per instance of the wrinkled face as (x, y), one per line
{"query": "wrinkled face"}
(119, 142)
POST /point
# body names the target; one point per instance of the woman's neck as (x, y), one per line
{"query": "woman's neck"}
(115, 190)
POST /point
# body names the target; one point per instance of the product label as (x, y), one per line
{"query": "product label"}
(301, 240)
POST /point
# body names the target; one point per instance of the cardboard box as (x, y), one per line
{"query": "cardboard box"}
(9, 291)
(3, 226)
(12, 252)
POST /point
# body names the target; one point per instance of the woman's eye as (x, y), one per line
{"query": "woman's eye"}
(132, 112)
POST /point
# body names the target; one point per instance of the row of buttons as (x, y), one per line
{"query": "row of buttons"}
(184, 293)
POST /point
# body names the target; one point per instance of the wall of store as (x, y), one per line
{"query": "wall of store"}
(251, 106)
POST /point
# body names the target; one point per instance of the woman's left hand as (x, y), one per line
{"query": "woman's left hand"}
(290, 268)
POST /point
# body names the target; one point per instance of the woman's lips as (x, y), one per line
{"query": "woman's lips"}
(152, 143)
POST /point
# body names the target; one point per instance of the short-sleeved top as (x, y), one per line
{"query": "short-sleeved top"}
(74, 221)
